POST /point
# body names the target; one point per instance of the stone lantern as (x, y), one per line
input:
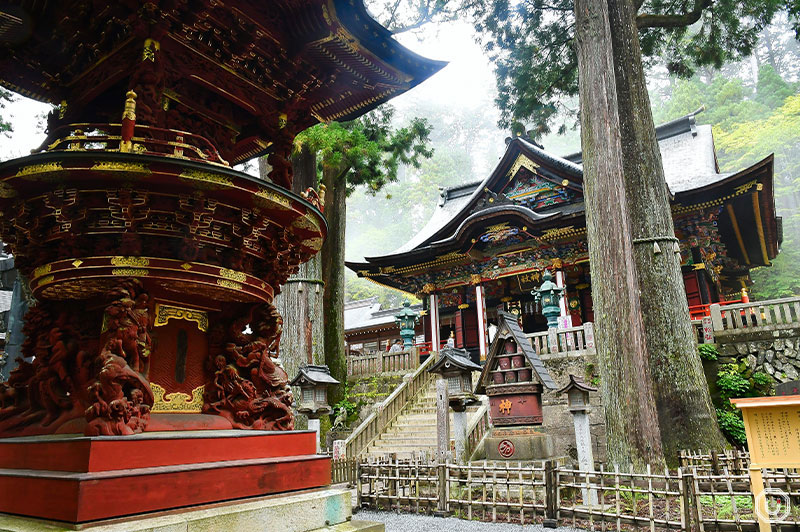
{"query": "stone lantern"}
(577, 393)
(549, 295)
(407, 320)
(455, 367)
(313, 382)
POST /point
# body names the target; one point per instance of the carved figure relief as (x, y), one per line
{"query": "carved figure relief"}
(72, 373)
(249, 387)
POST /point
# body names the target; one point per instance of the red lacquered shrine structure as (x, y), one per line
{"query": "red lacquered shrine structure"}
(154, 262)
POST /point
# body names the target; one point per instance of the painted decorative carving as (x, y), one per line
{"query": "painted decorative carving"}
(249, 387)
(73, 373)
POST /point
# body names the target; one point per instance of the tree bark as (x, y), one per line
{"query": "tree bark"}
(333, 276)
(632, 431)
(300, 300)
(681, 391)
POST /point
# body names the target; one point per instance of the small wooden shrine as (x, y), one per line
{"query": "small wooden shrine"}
(154, 261)
(514, 379)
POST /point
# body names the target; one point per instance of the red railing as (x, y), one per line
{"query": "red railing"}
(146, 140)
(425, 347)
(698, 312)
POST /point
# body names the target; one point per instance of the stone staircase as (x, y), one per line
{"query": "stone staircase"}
(413, 432)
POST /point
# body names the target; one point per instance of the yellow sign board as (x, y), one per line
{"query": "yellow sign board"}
(772, 425)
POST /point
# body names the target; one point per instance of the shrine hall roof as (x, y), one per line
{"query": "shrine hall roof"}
(367, 313)
(687, 152)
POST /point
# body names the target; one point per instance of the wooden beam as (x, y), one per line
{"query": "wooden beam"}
(760, 227)
(738, 233)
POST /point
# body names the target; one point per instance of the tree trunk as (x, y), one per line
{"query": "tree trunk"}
(300, 300)
(333, 276)
(681, 391)
(632, 432)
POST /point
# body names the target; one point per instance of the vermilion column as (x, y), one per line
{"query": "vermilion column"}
(483, 331)
(433, 304)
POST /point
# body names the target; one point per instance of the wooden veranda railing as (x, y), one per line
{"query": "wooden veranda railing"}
(377, 421)
(382, 362)
(477, 429)
(571, 341)
(755, 316)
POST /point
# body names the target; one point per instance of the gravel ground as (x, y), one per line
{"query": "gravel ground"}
(423, 523)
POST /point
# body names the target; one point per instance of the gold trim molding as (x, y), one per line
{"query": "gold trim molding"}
(164, 313)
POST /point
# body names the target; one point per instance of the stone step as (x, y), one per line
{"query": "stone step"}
(354, 526)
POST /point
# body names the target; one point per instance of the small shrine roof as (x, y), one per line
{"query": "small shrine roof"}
(576, 382)
(315, 375)
(451, 356)
(509, 327)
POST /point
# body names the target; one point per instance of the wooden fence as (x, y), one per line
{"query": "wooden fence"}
(382, 362)
(755, 316)
(478, 427)
(733, 460)
(344, 471)
(375, 423)
(571, 341)
(686, 499)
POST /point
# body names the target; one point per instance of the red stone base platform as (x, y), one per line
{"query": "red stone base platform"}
(78, 479)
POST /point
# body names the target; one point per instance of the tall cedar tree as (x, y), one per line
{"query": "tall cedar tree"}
(537, 67)
(633, 439)
(367, 151)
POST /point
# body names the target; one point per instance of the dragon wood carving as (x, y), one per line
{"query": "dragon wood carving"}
(248, 386)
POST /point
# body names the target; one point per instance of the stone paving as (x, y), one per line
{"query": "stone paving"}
(423, 523)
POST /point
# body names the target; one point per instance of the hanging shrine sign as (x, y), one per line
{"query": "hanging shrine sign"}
(772, 425)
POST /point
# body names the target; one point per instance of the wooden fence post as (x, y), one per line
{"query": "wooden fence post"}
(441, 507)
(550, 495)
(686, 499)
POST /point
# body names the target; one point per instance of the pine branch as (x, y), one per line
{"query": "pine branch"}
(674, 21)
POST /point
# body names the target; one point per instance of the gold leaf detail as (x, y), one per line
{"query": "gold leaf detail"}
(273, 196)
(177, 402)
(232, 274)
(42, 270)
(186, 266)
(522, 162)
(208, 177)
(77, 263)
(45, 280)
(130, 272)
(225, 283)
(35, 169)
(138, 262)
(166, 312)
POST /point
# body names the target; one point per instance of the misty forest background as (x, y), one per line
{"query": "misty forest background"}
(753, 106)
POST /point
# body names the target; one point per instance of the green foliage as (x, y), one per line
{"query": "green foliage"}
(359, 288)
(732, 426)
(369, 150)
(724, 505)
(732, 383)
(531, 44)
(5, 97)
(735, 380)
(350, 406)
(761, 380)
(708, 351)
